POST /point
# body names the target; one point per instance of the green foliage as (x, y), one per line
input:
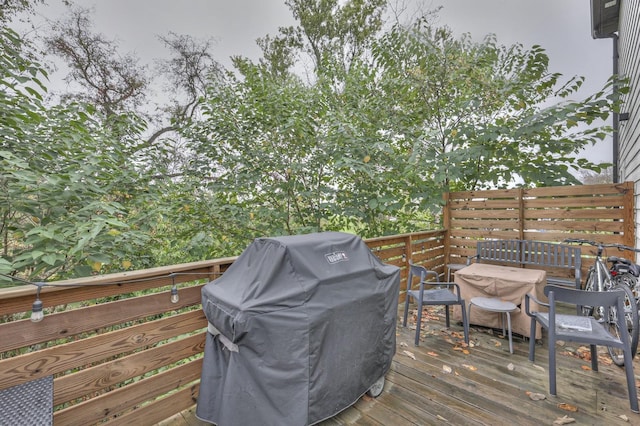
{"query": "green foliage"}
(385, 122)
(483, 115)
(283, 157)
(335, 33)
(376, 136)
(64, 179)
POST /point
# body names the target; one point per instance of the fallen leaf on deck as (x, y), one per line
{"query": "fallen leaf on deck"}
(511, 367)
(442, 418)
(536, 396)
(538, 367)
(463, 350)
(623, 417)
(605, 359)
(403, 345)
(564, 420)
(409, 354)
(585, 367)
(446, 369)
(567, 407)
(469, 367)
(432, 353)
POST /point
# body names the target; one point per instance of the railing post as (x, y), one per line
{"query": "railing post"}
(629, 222)
(446, 223)
(521, 212)
(408, 250)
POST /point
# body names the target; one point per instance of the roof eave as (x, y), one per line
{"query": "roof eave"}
(604, 18)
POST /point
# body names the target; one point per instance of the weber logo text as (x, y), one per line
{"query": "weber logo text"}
(336, 256)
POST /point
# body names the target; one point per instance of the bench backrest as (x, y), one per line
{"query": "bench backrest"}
(543, 255)
(502, 251)
(550, 254)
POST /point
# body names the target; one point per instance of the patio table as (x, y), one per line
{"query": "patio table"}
(506, 283)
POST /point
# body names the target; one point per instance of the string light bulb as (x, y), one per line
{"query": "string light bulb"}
(175, 298)
(174, 294)
(37, 314)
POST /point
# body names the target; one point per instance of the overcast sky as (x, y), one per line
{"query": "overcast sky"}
(561, 27)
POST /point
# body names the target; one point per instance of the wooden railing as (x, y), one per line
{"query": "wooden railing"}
(115, 344)
(121, 352)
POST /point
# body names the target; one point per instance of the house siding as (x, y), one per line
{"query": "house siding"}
(629, 67)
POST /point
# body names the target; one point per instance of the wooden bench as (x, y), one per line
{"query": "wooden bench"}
(562, 262)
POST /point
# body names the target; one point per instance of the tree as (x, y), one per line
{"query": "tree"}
(386, 121)
(117, 84)
(113, 83)
(9, 8)
(477, 112)
(298, 157)
(66, 186)
(372, 144)
(588, 177)
(331, 33)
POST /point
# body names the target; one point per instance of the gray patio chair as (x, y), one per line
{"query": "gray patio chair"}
(577, 328)
(433, 293)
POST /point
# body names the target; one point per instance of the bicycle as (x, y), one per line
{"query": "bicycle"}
(625, 272)
(599, 279)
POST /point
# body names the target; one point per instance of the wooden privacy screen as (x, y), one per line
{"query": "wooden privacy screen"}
(602, 213)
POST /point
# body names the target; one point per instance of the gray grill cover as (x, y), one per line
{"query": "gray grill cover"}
(306, 325)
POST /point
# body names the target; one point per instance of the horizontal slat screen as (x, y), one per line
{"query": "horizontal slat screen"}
(603, 213)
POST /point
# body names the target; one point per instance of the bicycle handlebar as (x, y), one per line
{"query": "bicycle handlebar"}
(593, 243)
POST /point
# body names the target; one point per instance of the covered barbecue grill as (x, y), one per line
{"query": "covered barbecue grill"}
(299, 328)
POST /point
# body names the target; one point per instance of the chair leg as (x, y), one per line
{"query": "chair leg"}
(418, 324)
(594, 357)
(446, 315)
(631, 381)
(532, 340)
(552, 365)
(406, 310)
(509, 330)
(465, 322)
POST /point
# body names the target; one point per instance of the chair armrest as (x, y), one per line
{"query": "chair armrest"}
(457, 289)
(529, 296)
(470, 258)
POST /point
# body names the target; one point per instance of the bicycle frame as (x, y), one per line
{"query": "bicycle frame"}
(603, 283)
(602, 273)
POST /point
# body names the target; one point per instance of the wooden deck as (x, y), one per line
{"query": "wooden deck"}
(484, 384)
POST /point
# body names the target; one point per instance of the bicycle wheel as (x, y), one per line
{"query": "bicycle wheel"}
(630, 281)
(590, 285)
(631, 316)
